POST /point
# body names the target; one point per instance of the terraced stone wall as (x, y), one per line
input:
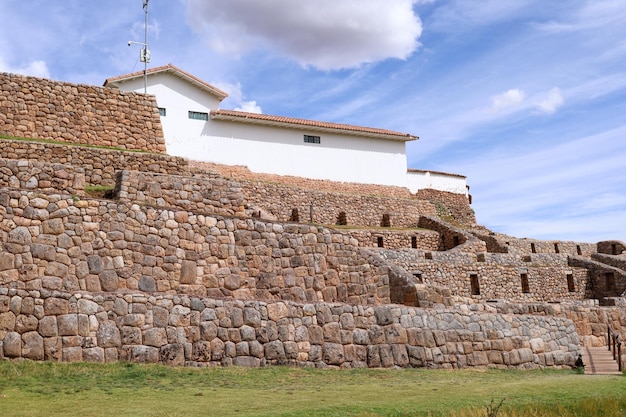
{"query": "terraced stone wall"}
(100, 166)
(497, 276)
(56, 242)
(39, 108)
(183, 330)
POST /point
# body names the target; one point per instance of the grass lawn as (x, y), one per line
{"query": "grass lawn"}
(122, 389)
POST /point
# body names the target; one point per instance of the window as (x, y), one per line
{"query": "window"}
(196, 115)
(414, 242)
(311, 139)
(380, 242)
(162, 111)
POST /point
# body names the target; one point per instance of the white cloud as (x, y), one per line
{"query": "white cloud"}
(249, 106)
(35, 68)
(551, 102)
(236, 98)
(507, 100)
(326, 34)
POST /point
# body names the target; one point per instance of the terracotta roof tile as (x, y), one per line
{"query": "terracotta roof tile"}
(175, 70)
(282, 121)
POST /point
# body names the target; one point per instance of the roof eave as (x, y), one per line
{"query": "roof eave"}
(312, 128)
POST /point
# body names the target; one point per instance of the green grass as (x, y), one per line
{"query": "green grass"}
(122, 389)
(82, 145)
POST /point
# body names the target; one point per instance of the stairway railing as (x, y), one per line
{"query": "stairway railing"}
(615, 345)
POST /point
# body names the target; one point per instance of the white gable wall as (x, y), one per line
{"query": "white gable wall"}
(441, 181)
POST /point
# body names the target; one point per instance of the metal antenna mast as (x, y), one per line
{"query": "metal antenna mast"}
(144, 54)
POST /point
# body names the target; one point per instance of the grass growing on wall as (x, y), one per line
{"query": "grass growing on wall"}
(122, 389)
(82, 145)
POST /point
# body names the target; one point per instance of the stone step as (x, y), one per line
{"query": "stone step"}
(599, 361)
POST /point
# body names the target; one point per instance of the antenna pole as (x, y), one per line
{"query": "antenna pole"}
(145, 51)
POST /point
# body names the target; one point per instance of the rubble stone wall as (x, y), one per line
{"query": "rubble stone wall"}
(31, 175)
(39, 108)
(396, 239)
(183, 330)
(360, 210)
(100, 165)
(496, 276)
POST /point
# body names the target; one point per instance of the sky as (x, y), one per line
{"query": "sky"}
(527, 98)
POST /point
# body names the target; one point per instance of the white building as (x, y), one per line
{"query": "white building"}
(196, 128)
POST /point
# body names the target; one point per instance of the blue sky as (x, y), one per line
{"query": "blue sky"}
(527, 98)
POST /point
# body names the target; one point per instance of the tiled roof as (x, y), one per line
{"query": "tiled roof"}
(174, 70)
(282, 121)
(423, 171)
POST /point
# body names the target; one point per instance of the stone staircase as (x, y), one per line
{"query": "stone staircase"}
(599, 361)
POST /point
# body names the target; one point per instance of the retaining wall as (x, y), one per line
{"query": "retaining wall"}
(100, 165)
(51, 178)
(38, 108)
(182, 330)
(496, 276)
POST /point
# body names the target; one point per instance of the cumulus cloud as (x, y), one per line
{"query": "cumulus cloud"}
(35, 68)
(551, 102)
(326, 34)
(236, 98)
(507, 100)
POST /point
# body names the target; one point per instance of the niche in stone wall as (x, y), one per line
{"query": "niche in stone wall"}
(533, 248)
(556, 248)
(386, 220)
(609, 278)
(342, 219)
(414, 242)
(570, 283)
(380, 242)
(578, 250)
(474, 284)
(295, 216)
(525, 285)
(418, 276)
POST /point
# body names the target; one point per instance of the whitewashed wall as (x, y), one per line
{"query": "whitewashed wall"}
(268, 149)
(436, 180)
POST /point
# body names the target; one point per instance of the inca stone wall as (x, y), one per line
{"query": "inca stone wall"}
(100, 166)
(200, 194)
(454, 206)
(396, 239)
(31, 175)
(59, 243)
(360, 210)
(183, 330)
(38, 108)
(497, 276)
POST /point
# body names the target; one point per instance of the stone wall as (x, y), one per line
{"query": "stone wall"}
(100, 166)
(241, 173)
(56, 242)
(496, 276)
(396, 239)
(360, 210)
(201, 194)
(51, 178)
(38, 108)
(611, 247)
(533, 246)
(183, 330)
(604, 280)
(451, 206)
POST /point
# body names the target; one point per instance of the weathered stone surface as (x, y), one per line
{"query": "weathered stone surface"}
(32, 346)
(109, 335)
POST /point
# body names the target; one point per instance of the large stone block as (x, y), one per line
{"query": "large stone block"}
(12, 344)
(109, 335)
(109, 281)
(333, 354)
(32, 346)
(188, 272)
(68, 325)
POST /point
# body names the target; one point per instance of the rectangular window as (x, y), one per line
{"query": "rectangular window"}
(196, 115)
(311, 139)
(162, 111)
(570, 283)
